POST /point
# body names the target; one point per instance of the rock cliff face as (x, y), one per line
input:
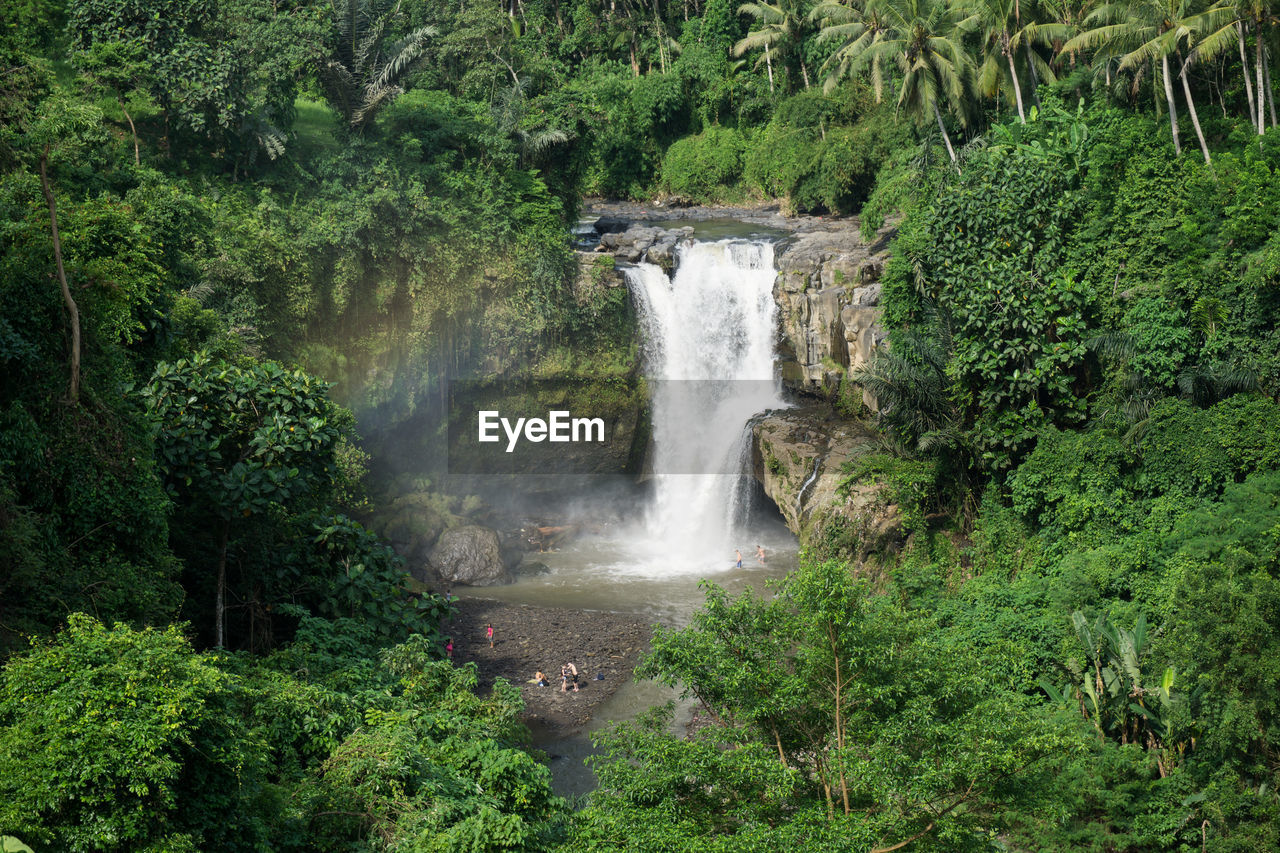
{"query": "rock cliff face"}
(798, 456)
(828, 296)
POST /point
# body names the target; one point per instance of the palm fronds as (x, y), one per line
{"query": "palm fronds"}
(364, 72)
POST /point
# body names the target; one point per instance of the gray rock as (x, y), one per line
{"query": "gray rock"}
(799, 457)
(470, 555)
(828, 296)
(610, 224)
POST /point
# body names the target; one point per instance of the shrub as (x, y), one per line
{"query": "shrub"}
(705, 166)
(115, 739)
(777, 158)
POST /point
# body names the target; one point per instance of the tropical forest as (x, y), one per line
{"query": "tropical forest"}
(935, 351)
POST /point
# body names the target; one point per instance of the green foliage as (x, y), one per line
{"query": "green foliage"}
(225, 73)
(366, 580)
(777, 158)
(990, 250)
(116, 739)
(828, 701)
(1224, 583)
(119, 740)
(362, 74)
(703, 167)
(1077, 489)
(242, 438)
(715, 791)
(436, 770)
(1115, 694)
(909, 483)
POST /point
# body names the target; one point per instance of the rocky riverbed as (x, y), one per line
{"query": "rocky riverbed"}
(528, 639)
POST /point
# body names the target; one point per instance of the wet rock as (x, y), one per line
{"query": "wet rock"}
(609, 224)
(798, 457)
(595, 273)
(470, 555)
(649, 243)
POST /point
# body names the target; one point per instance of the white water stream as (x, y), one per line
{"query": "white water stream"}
(708, 336)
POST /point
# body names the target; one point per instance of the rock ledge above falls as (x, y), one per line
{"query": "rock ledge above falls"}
(828, 295)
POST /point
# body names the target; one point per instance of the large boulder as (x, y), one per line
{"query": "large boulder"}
(470, 555)
(799, 458)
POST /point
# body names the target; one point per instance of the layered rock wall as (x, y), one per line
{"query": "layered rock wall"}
(828, 296)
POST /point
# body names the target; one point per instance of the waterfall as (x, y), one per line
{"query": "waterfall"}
(709, 359)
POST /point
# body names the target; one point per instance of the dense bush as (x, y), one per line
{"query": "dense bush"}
(705, 166)
(121, 740)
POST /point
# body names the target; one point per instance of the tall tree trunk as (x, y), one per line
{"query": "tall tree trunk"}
(1017, 87)
(1248, 86)
(657, 24)
(945, 138)
(1271, 101)
(804, 72)
(1195, 119)
(1173, 108)
(768, 63)
(1257, 43)
(220, 603)
(73, 386)
(137, 158)
(1035, 78)
(839, 716)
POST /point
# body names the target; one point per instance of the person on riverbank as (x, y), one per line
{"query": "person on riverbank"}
(448, 648)
(760, 554)
(568, 675)
(489, 633)
(540, 679)
(738, 555)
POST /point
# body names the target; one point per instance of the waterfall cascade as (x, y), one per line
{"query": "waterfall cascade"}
(709, 355)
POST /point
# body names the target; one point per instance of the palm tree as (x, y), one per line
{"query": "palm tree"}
(783, 26)
(855, 27)
(1061, 21)
(1151, 30)
(921, 38)
(533, 146)
(997, 22)
(363, 74)
(1250, 15)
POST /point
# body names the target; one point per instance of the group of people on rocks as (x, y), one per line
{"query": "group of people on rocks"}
(568, 678)
(568, 672)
